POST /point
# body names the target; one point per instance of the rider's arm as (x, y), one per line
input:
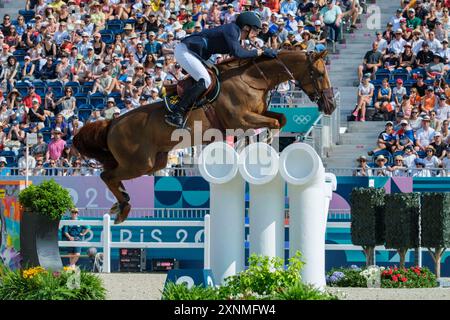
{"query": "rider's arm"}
(235, 47)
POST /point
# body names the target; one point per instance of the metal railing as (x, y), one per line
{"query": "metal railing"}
(386, 172)
(107, 244)
(324, 133)
(150, 213)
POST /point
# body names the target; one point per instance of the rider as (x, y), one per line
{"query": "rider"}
(224, 39)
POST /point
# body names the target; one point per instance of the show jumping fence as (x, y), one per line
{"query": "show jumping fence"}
(106, 244)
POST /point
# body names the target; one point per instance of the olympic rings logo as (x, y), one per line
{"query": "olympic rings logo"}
(301, 119)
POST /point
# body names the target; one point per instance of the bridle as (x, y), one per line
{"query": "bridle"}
(324, 98)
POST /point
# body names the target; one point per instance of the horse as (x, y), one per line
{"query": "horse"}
(137, 143)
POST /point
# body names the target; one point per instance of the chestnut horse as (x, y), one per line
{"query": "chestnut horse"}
(138, 142)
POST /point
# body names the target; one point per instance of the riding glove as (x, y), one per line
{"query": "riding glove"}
(271, 53)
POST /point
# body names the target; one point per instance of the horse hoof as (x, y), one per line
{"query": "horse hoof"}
(114, 209)
(123, 215)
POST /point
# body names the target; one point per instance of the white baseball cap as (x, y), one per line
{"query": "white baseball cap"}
(3, 159)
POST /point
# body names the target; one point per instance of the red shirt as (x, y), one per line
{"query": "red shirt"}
(29, 99)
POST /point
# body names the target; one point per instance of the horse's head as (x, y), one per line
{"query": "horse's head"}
(316, 83)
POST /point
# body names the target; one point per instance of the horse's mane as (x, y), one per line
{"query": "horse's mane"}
(233, 63)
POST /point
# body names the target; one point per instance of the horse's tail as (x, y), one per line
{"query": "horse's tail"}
(91, 142)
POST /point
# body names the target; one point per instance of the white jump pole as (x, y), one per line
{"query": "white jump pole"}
(258, 165)
(302, 168)
(218, 164)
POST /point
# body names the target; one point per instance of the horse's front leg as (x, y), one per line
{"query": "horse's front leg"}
(252, 120)
(276, 115)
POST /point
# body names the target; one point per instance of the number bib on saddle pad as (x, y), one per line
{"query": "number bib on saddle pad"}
(171, 101)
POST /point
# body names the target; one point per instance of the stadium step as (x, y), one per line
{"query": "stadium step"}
(360, 137)
(12, 8)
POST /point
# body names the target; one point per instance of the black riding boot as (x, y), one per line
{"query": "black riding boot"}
(190, 96)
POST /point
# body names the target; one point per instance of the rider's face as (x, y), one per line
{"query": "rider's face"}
(253, 32)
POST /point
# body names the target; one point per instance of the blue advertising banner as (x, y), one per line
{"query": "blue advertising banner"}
(298, 119)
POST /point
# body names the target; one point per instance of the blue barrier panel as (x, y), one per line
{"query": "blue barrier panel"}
(299, 120)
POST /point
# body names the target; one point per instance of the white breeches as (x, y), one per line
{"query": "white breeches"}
(191, 64)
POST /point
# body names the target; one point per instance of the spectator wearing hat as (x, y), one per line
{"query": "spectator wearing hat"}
(445, 51)
(331, 15)
(230, 15)
(30, 96)
(424, 56)
(281, 31)
(436, 69)
(74, 233)
(84, 44)
(443, 109)
(419, 170)
(153, 46)
(128, 106)
(387, 140)
(398, 93)
(365, 95)
(371, 62)
(398, 169)
(154, 96)
(404, 136)
(439, 146)
(95, 69)
(416, 41)
(128, 88)
(98, 45)
(382, 43)
(36, 115)
(362, 168)
(398, 43)
(409, 156)
(319, 35)
(430, 160)
(56, 145)
(428, 100)
(424, 136)
(104, 84)
(407, 58)
(61, 34)
(395, 20)
(28, 69)
(263, 10)
(4, 171)
(380, 169)
(412, 21)
(110, 109)
(95, 115)
(80, 70)
(64, 70)
(40, 148)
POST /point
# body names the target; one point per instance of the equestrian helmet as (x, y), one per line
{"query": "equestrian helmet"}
(248, 18)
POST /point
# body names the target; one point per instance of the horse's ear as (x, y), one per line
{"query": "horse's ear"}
(320, 55)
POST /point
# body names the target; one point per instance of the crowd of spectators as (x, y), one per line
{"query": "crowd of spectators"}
(64, 63)
(404, 80)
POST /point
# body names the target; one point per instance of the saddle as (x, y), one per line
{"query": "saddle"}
(174, 92)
